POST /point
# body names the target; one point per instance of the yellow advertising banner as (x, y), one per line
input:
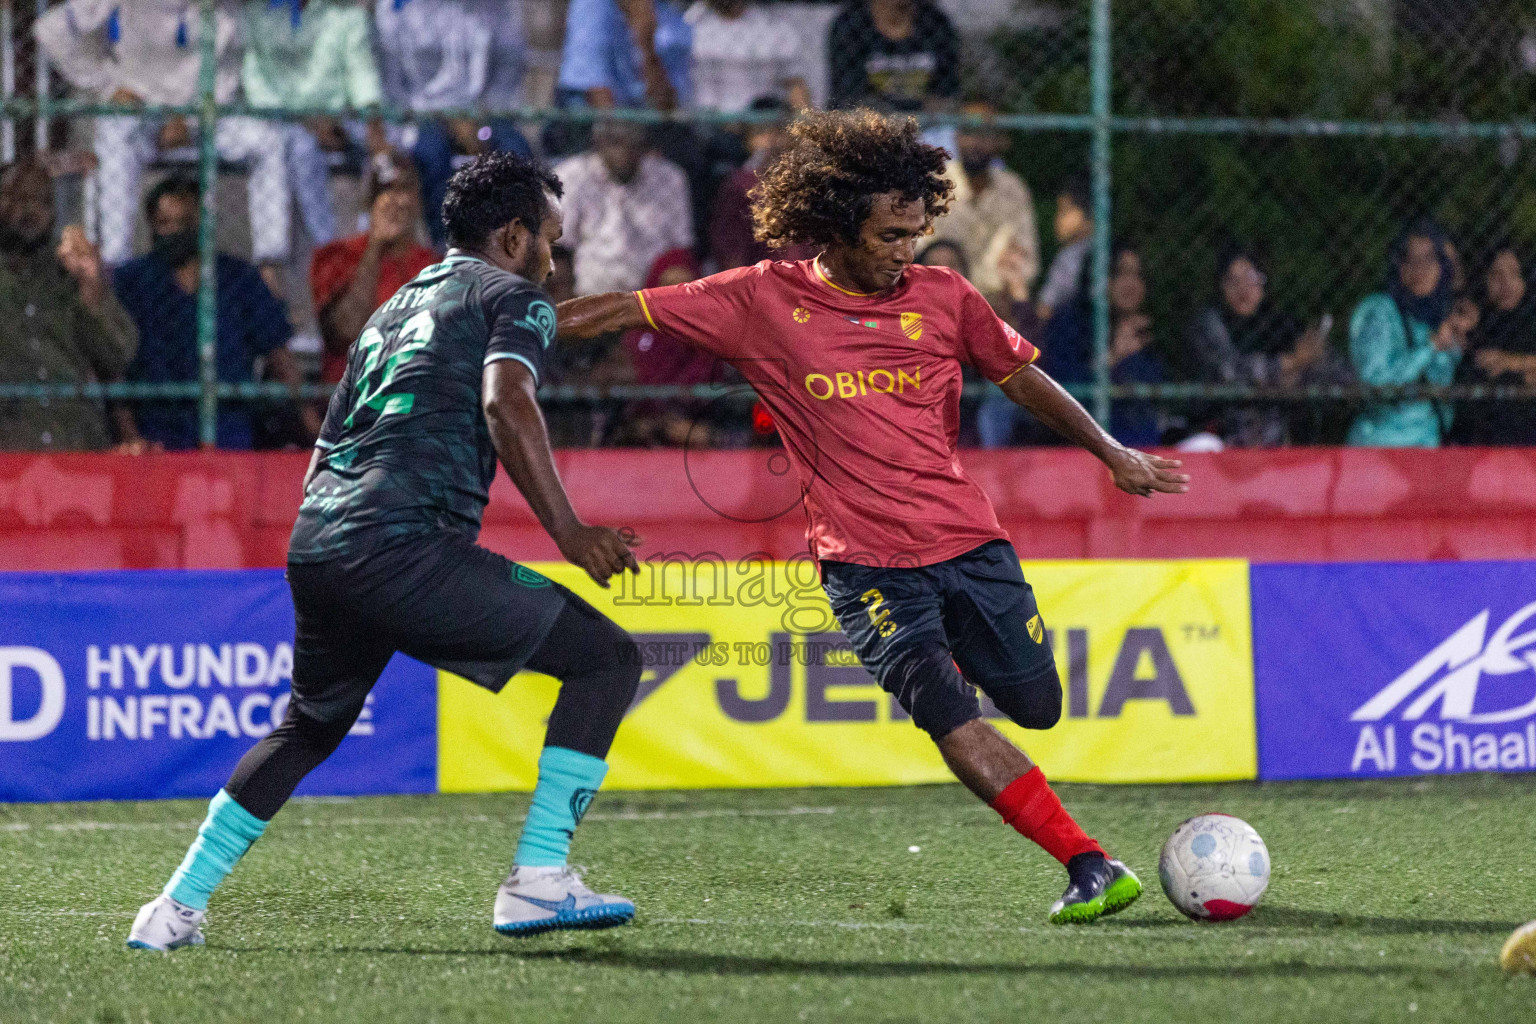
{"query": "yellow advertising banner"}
(749, 683)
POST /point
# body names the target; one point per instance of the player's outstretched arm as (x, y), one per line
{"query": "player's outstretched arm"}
(522, 444)
(1135, 472)
(592, 315)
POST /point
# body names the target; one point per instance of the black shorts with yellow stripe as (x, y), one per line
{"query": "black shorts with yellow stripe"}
(914, 627)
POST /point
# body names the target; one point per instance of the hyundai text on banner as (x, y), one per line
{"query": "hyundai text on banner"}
(133, 685)
(1395, 669)
(748, 682)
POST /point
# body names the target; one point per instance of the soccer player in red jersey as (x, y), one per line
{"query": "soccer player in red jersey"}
(857, 355)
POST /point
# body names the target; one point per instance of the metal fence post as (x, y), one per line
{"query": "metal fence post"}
(207, 240)
(1100, 171)
(40, 83)
(7, 78)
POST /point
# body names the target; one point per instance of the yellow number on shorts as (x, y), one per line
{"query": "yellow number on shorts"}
(879, 615)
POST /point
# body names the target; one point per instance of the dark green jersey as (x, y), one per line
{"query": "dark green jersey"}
(405, 449)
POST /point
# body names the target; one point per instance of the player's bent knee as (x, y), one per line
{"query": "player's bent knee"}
(628, 669)
(1035, 704)
(931, 690)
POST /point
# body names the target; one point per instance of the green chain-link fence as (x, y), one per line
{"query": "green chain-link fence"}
(1306, 132)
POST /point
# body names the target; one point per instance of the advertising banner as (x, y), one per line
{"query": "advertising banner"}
(748, 682)
(1395, 669)
(136, 685)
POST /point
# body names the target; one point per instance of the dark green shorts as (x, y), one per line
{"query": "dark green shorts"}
(445, 601)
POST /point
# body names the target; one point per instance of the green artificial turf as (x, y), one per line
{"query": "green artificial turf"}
(1389, 902)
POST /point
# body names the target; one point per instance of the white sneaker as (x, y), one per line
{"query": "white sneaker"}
(529, 903)
(164, 925)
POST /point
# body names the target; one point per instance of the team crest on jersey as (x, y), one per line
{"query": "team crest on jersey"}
(912, 325)
(801, 314)
(528, 578)
(1036, 630)
(540, 320)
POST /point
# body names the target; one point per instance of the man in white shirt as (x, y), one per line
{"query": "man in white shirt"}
(147, 52)
(742, 51)
(439, 55)
(993, 214)
(624, 206)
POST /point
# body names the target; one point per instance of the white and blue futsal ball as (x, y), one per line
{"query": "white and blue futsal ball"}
(1214, 868)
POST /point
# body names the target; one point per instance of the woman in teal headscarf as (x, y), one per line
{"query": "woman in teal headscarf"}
(1411, 333)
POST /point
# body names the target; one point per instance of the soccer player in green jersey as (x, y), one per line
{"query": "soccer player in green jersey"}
(438, 387)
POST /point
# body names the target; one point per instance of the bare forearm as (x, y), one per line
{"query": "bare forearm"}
(1051, 405)
(344, 318)
(522, 444)
(592, 315)
(309, 474)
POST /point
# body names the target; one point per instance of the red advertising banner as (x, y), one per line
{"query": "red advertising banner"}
(234, 509)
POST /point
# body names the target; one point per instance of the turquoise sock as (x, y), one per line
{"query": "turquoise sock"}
(568, 780)
(225, 835)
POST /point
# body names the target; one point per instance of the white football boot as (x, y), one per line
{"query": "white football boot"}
(543, 900)
(164, 925)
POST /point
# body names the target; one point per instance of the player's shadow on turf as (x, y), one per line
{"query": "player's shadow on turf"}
(1281, 916)
(717, 964)
(1277, 917)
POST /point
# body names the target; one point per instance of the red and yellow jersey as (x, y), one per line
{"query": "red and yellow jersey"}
(865, 391)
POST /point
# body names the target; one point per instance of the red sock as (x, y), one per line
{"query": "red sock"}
(1031, 806)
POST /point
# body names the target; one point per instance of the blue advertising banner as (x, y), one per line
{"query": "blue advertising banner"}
(138, 685)
(1369, 670)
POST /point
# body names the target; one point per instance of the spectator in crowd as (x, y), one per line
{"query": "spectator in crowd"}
(742, 51)
(1501, 350)
(440, 55)
(147, 51)
(63, 324)
(944, 253)
(1069, 332)
(1132, 360)
(992, 214)
(1058, 319)
(352, 277)
(159, 291)
(660, 359)
(899, 55)
(1243, 339)
(561, 284)
(1066, 281)
(626, 53)
(731, 242)
(624, 206)
(1411, 333)
(312, 53)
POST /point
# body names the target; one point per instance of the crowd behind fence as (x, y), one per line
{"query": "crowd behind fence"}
(1225, 222)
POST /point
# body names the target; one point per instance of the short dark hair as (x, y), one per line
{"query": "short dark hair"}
(1079, 189)
(389, 171)
(822, 189)
(177, 186)
(769, 104)
(495, 190)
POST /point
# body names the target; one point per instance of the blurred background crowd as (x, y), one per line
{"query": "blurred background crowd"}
(1280, 262)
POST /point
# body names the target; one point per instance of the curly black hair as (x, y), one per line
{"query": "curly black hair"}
(495, 190)
(821, 190)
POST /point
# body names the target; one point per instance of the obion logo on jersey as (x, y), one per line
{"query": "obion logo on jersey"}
(1367, 670)
(1437, 704)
